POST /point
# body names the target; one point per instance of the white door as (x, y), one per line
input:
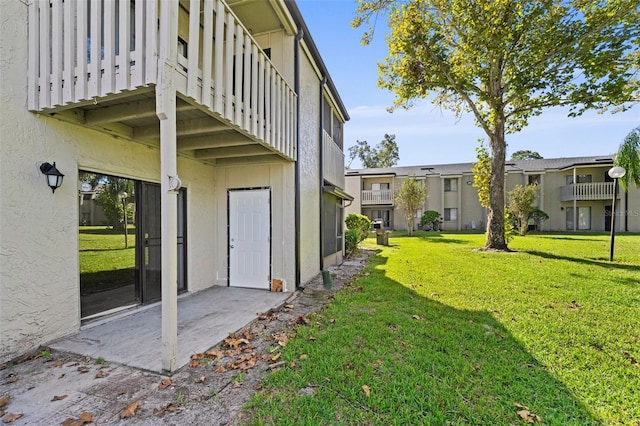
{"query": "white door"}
(249, 238)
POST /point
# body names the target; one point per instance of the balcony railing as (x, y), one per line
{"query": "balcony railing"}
(333, 161)
(381, 196)
(84, 50)
(587, 191)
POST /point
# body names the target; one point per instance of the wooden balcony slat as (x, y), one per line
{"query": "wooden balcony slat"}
(108, 63)
(228, 80)
(34, 38)
(81, 53)
(138, 72)
(68, 86)
(56, 53)
(45, 65)
(124, 46)
(193, 48)
(207, 52)
(150, 58)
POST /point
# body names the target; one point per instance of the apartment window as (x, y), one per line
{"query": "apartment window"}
(533, 179)
(579, 179)
(379, 186)
(584, 218)
(451, 185)
(450, 214)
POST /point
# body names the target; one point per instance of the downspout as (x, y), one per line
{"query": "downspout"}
(296, 88)
(321, 172)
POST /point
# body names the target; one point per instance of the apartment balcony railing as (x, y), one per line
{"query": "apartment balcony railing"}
(333, 161)
(82, 51)
(587, 191)
(373, 197)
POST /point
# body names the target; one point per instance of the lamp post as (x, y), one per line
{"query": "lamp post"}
(615, 173)
(123, 197)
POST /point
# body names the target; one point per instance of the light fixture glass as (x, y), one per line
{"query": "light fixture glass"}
(617, 172)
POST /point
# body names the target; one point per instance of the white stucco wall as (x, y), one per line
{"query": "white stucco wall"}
(309, 155)
(39, 268)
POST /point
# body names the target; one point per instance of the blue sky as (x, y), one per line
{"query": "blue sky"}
(426, 134)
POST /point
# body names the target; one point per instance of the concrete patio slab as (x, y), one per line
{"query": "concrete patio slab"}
(205, 318)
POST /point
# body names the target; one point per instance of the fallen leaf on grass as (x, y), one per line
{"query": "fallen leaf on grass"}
(417, 317)
(84, 418)
(102, 374)
(574, 305)
(526, 415)
(274, 358)
(130, 411)
(301, 320)
(631, 359)
(367, 390)
(165, 383)
(58, 397)
(10, 417)
(312, 337)
(304, 356)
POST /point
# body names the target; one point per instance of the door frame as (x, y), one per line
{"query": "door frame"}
(254, 188)
(141, 245)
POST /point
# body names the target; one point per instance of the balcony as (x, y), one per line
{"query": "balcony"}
(377, 197)
(587, 191)
(333, 161)
(98, 64)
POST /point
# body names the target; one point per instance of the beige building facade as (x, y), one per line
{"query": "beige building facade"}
(576, 193)
(217, 125)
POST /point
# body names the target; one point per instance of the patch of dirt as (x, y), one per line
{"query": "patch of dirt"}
(210, 390)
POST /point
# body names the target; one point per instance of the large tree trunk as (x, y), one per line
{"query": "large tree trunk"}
(495, 227)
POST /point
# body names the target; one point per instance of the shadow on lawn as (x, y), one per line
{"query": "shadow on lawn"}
(603, 263)
(469, 368)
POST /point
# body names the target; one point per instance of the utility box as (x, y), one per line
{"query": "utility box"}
(382, 237)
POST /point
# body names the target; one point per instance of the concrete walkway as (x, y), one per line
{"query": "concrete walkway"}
(205, 318)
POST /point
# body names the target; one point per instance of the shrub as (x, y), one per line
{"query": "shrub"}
(538, 216)
(351, 241)
(431, 220)
(360, 223)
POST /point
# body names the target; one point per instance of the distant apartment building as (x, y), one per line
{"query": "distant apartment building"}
(576, 193)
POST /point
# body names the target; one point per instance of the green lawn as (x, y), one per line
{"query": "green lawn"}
(440, 333)
(105, 263)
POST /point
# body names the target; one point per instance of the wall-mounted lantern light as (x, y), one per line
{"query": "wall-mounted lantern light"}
(53, 175)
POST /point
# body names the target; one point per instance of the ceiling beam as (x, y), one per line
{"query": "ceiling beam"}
(130, 111)
(258, 159)
(212, 141)
(232, 151)
(183, 128)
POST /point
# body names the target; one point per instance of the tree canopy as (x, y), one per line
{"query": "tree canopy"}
(505, 61)
(409, 199)
(628, 156)
(385, 154)
(525, 155)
